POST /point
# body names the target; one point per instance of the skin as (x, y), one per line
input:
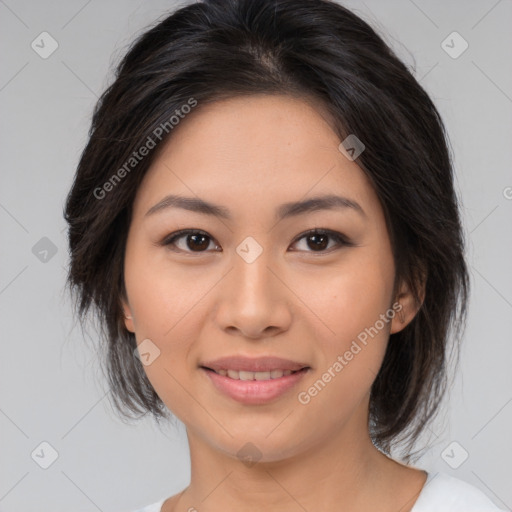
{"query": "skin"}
(202, 301)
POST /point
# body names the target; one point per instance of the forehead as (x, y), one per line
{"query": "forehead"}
(249, 124)
(253, 151)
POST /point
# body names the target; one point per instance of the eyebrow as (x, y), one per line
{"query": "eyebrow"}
(286, 210)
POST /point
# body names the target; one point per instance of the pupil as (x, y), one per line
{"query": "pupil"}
(319, 245)
(204, 245)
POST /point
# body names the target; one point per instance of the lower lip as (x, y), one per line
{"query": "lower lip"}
(254, 392)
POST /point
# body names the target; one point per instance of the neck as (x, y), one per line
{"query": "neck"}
(346, 473)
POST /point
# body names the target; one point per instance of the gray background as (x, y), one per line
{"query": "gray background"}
(51, 388)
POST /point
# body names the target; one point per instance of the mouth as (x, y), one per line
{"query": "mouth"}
(244, 375)
(254, 388)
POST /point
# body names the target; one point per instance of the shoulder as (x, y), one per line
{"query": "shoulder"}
(170, 504)
(154, 507)
(444, 493)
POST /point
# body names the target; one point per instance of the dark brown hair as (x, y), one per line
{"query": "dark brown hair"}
(306, 48)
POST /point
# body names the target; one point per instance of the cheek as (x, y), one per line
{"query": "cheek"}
(350, 303)
(166, 303)
(347, 361)
(349, 297)
(163, 297)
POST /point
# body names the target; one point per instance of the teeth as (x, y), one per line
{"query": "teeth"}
(243, 375)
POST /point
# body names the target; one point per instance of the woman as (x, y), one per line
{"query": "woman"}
(264, 220)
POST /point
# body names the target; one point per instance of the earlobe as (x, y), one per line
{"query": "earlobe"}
(406, 308)
(401, 315)
(128, 320)
(400, 319)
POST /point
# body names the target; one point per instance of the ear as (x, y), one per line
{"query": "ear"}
(128, 320)
(406, 306)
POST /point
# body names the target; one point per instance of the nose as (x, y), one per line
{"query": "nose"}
(253, 300)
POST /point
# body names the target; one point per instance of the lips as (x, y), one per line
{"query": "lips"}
(254, 381)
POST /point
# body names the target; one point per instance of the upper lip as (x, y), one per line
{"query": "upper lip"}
(259, 364)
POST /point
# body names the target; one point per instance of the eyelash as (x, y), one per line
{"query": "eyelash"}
(338, 237)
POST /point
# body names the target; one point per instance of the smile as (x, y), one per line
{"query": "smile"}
(246, 375)
(254, 388)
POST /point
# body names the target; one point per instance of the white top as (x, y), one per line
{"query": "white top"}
(444, 493)
(441, 493)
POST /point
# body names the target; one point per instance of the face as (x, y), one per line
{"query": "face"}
(249, 279)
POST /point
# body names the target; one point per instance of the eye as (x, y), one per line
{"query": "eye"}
(318, 239)
(198, 241)
(194, 239)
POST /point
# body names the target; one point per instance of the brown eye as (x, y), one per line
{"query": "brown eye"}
(318, 240)
(194, 241)
(199, 242)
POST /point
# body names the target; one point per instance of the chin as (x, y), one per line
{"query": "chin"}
(267, 443)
